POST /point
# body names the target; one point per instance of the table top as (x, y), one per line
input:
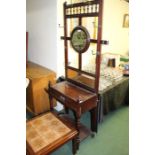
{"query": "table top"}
(47, 131)
(73, 92)
(34, 70)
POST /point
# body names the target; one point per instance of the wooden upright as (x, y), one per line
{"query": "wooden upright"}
(79, 92)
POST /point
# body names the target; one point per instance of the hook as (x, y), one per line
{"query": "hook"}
(93, 52)
(61, 26)
(95, 26)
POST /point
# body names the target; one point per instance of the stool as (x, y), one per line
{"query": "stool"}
(45, 133)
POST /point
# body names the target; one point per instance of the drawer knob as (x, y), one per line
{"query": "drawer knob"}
(62, 98)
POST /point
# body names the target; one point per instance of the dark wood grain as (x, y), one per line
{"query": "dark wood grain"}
(99, 36)
(82, 15)
(77, 99)
(82, 4)
(105, 42)
(65, 41)
(74, 94)
(87, 9)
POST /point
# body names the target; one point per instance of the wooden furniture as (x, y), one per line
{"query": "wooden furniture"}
(46, 133)
(79, 91)
(37, 100)
(77, 99)
(81, 11)
(27, 82)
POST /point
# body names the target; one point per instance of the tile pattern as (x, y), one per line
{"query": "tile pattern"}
(44, 130)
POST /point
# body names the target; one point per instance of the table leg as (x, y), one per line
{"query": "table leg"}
(51, 103)
(93, 114)
(77, 123)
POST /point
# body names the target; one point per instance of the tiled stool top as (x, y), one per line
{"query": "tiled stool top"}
(44, 130)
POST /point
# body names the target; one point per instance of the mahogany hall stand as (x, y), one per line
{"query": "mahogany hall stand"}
(79, 92)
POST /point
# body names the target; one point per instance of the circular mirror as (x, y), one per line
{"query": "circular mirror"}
(80, 39)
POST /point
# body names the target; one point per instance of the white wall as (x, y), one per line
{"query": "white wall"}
(60, 28)
(60, 43)
(41, 21)
(113, 31)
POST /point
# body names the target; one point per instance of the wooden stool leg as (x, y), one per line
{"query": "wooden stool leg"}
(74, 145)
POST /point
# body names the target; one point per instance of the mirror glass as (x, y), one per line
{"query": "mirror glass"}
(80, 39)
(84, 79)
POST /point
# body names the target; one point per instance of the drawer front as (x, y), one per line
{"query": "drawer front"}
(89, 104)
(64, 100)
(59, 97)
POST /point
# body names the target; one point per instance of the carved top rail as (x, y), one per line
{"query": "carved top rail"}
(85, 9)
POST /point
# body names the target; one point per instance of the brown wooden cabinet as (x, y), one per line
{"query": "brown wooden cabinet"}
(37, 100)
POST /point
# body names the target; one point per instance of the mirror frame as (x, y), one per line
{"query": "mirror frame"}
(86, 46)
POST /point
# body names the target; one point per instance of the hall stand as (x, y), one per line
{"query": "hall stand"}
(79, 92)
